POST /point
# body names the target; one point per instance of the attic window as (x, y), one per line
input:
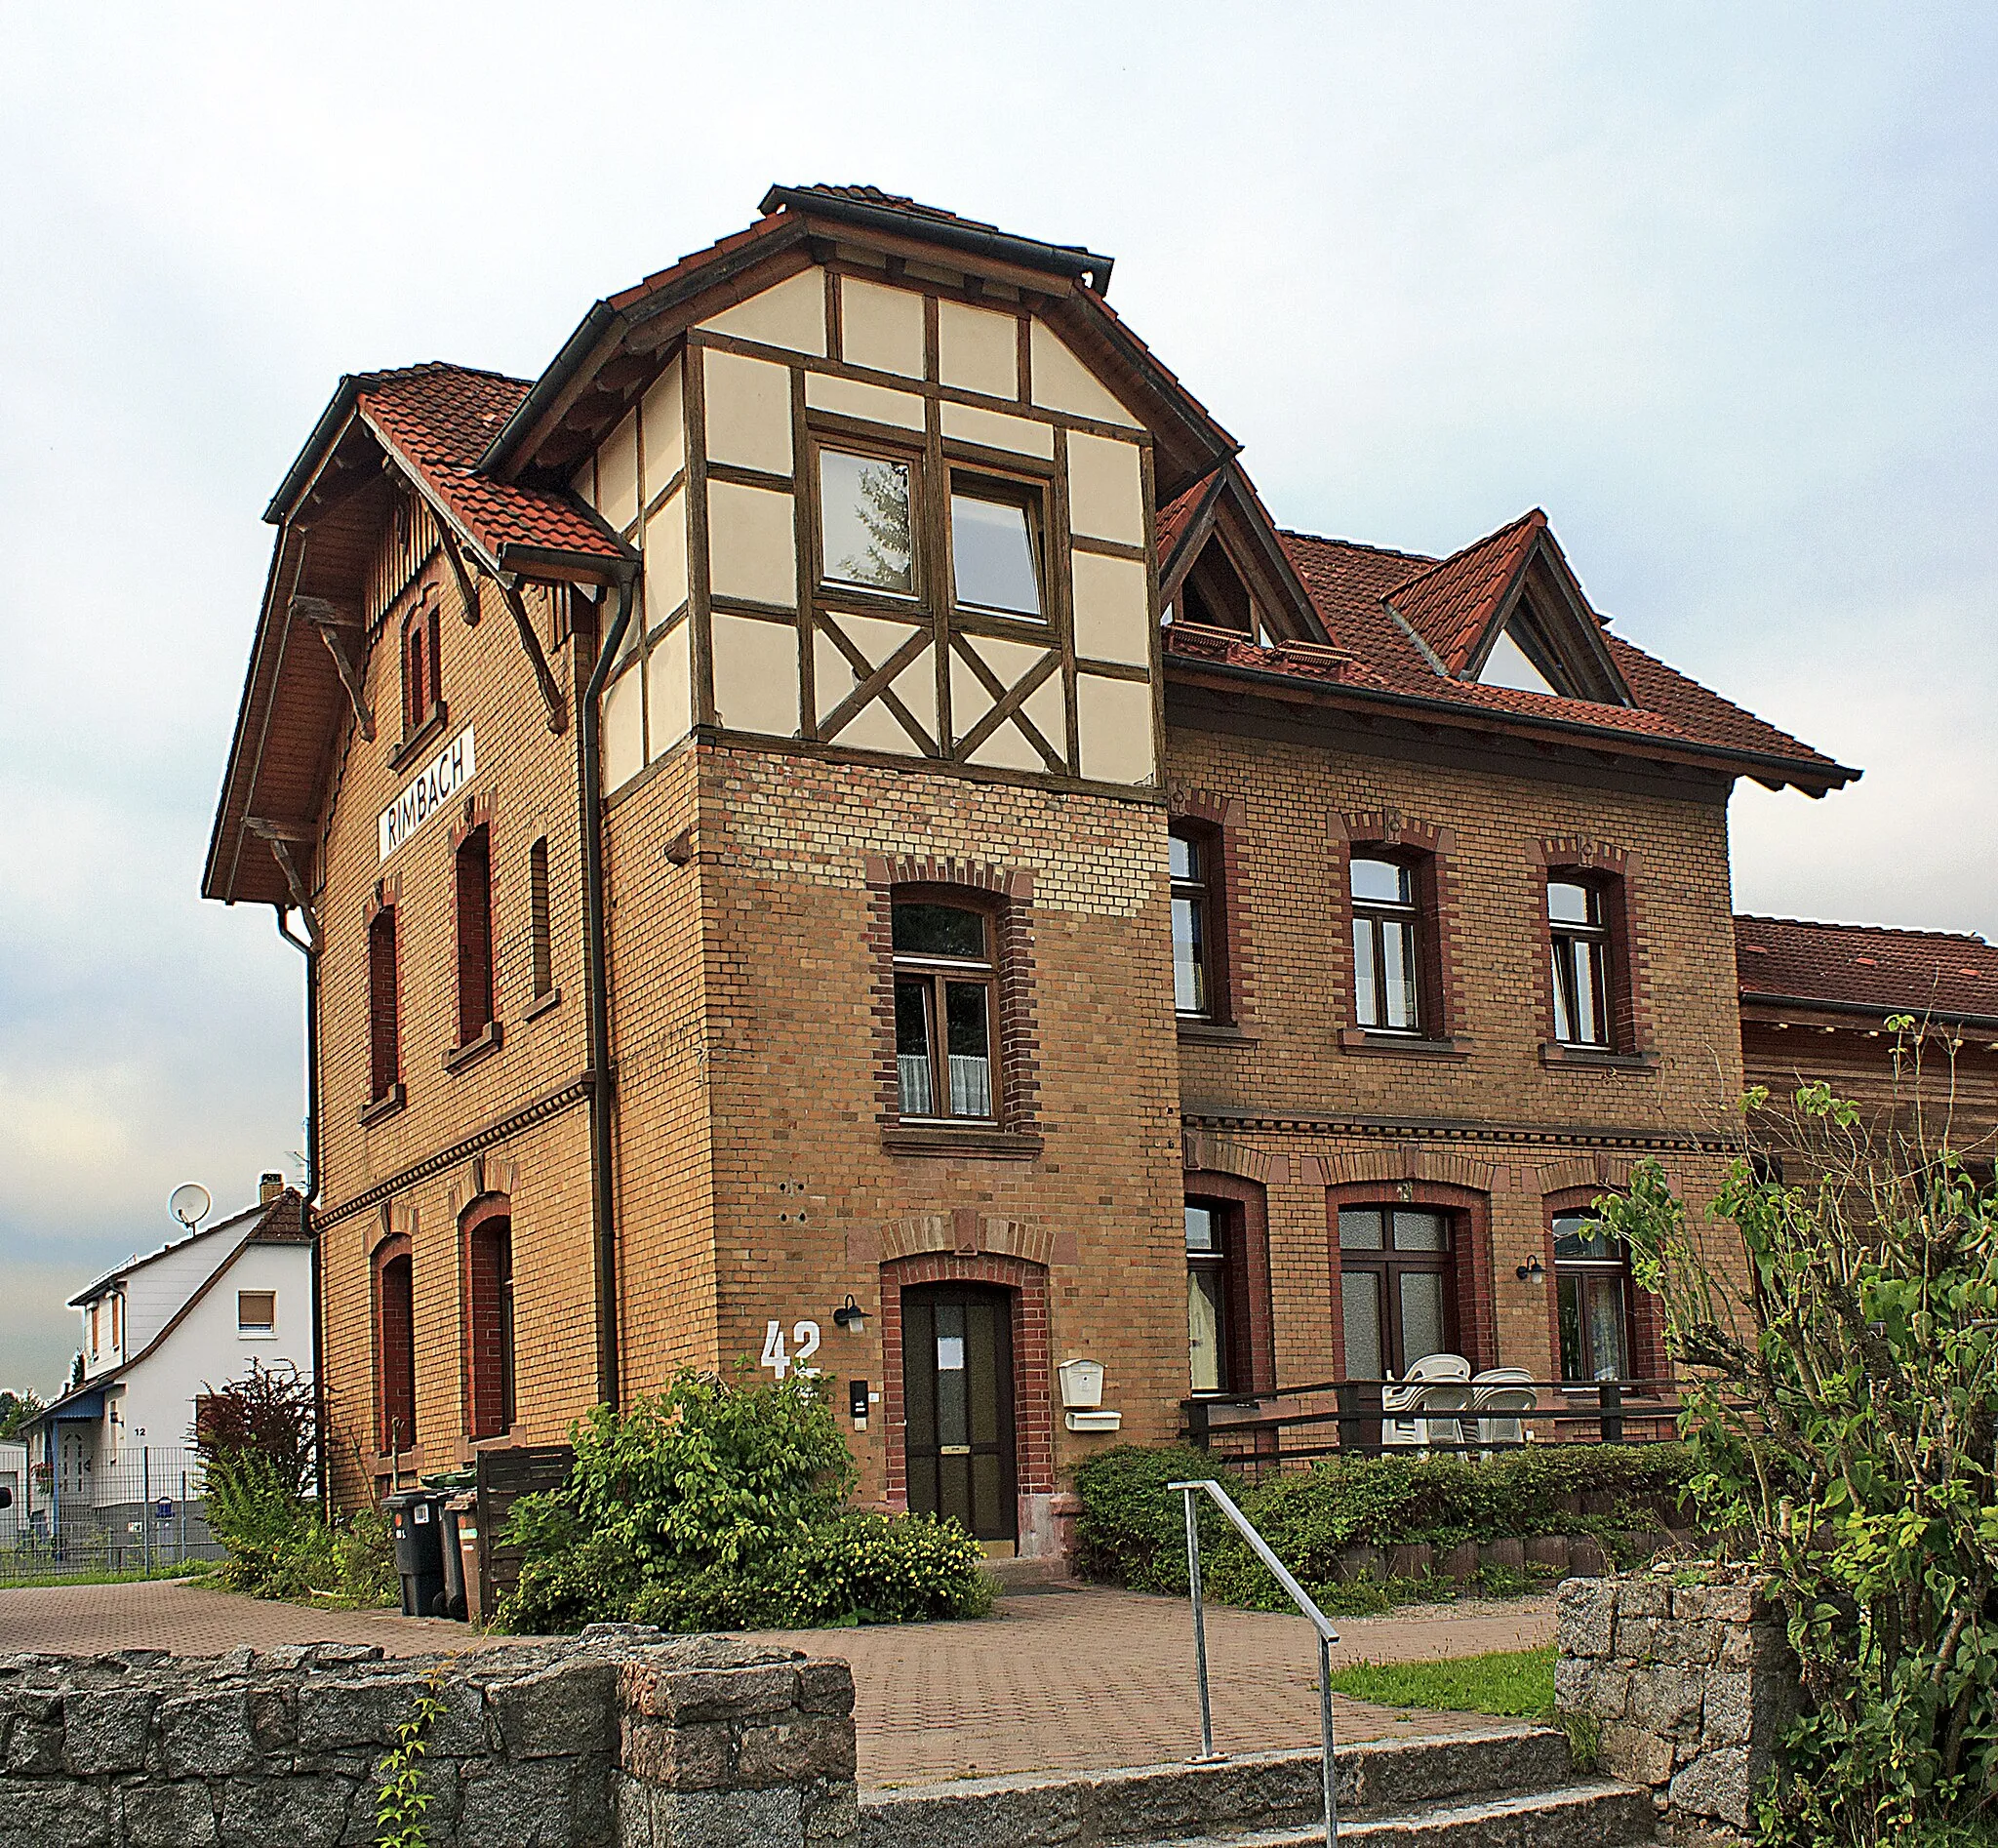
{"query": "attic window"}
(256, 1311)
(1212, 595)
(1509, 665)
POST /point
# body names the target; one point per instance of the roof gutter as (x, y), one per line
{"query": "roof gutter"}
(332, 421)
(1029, 252)
(1463, 718)
(589, 335)
(1982, 1022)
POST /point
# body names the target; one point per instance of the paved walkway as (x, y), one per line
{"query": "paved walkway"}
(1059, 1678)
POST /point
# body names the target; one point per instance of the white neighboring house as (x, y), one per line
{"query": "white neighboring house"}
(157, 1332)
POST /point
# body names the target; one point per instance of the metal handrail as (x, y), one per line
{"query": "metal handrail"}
(1299, 1597)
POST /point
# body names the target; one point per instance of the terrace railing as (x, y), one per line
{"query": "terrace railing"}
(1344, 1417)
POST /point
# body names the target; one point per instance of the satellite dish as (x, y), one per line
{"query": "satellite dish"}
(189, 1203)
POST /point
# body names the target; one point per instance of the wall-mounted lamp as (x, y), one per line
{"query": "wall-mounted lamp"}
(1532, 1271)
(850, 1315)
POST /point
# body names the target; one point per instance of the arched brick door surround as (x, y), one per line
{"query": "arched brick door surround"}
(1033, 1412)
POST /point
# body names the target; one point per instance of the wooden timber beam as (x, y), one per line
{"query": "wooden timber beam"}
(280, 838)
(346, 638)
(468, 588)
(544, 678)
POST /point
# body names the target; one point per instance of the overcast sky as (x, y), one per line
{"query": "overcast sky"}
(1714, 285)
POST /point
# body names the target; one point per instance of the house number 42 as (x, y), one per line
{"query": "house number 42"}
(780, 1360)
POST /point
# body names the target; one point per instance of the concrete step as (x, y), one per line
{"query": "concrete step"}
(1596, 1815)
(1390, 1781)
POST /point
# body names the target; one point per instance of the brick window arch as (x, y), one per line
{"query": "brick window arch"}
(1033, 1410)
(1424, 909)
(396, 1345)
(1228, 1258)
(1608, 876)
(422, 679)
(1005, 898)
(1643, 1314)
(1467, 1272)
(486, 1261)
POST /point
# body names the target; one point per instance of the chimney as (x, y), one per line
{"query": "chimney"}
(269, 1186)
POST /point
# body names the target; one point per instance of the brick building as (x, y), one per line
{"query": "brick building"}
(1815, 1002)
(837, 797)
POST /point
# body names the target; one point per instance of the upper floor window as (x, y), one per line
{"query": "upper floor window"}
(256, 1311)
(1192, 916)
(866, 522)
(474, 869)
(1580, 934)
(1387, 951)
(421, 673)
(945, 981)
(996, 547)
(1592, 1282)
(384, 1032)
(541, 942)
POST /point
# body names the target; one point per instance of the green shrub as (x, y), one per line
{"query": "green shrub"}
(1132, 1531)
(277, 1546)
(722, 1506)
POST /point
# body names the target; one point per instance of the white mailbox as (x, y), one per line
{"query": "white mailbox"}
(1082, 1384)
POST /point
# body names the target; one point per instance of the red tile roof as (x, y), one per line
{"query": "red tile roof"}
(440, 419)
(1361, 592)
(1864, 965)
(1450, 605)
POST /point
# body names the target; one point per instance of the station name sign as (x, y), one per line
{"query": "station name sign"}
(432, 789)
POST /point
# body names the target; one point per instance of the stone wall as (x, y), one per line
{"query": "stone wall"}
(1694, 1687)
(616, 1735)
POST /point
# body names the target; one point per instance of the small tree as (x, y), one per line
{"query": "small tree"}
(18, 1410)
(266, 1414)
(1843, 1415)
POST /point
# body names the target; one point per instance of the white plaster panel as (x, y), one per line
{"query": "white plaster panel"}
(748, 412)
(790, 314)
(1112, 608)
(663, 411)
(978, 349)
(881, 328)
(1105, 489)
(996, 430)
(669, 688)
(666, 559)
(752, 548)
(1114, 718)
(969, 700)
(877, 404)
(623, 729)
(1062, 383)
(618, 473)
(755, 674)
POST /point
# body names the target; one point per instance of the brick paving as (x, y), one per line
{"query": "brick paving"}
(1059, 1678)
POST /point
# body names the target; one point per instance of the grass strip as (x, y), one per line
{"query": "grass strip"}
(1507, 1684)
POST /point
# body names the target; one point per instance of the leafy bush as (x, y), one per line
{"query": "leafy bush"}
(1842, 1427)
(721, 1507)
(1131, 1532)
(255, 1438)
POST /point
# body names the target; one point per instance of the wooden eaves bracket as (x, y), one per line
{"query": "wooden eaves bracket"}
(544, 678)
(346, 638)
(468, 588)
(280, 837)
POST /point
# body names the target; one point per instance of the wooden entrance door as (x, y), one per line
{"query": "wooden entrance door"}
(957, 1389)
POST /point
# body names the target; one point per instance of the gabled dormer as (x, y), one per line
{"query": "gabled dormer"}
(1508, 612)
(1221, 566)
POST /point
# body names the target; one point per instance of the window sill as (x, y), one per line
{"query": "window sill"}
(942, 1139)
(377, 1109)
(1555, 1054)
(1213, 1033)
(541, 1004)
(459, 1058)
(257, 1333)
(1357, 1039)
(414, 742)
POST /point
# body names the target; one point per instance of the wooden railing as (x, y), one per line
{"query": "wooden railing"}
(1343, 1417)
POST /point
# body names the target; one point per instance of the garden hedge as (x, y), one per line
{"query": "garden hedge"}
(1131, 1531)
